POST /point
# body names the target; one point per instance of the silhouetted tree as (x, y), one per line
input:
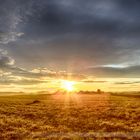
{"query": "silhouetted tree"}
(98, 91)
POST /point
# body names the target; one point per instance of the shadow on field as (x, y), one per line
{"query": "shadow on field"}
(34, 102)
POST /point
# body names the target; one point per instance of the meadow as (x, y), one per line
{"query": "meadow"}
(70, 116)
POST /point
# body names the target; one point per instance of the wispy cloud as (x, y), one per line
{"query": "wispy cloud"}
(11, 74)
(93, 81)
(7, 37)
(111, 71)
(127, 82)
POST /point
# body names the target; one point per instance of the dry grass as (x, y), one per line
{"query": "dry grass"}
(60, 116)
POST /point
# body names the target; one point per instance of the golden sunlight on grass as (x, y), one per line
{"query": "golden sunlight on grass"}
(70, 116)
(68, 85)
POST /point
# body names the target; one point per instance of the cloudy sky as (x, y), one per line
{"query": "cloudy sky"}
(94, 42)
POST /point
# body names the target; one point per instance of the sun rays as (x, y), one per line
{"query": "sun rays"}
(68, 85)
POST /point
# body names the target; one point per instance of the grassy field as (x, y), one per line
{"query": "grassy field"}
(75, 116)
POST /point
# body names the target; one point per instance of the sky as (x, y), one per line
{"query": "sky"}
(93, 42)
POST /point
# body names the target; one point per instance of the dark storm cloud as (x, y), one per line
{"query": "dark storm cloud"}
(105, 18)
(53, 18)
(10, 18)
(71, 34)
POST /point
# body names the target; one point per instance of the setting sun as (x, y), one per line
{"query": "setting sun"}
(68, 85)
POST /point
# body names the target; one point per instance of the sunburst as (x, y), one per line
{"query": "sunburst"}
(68, 85)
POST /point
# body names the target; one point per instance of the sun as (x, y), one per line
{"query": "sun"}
(68, 85)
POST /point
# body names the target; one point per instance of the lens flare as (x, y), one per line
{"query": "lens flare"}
(68, 85)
